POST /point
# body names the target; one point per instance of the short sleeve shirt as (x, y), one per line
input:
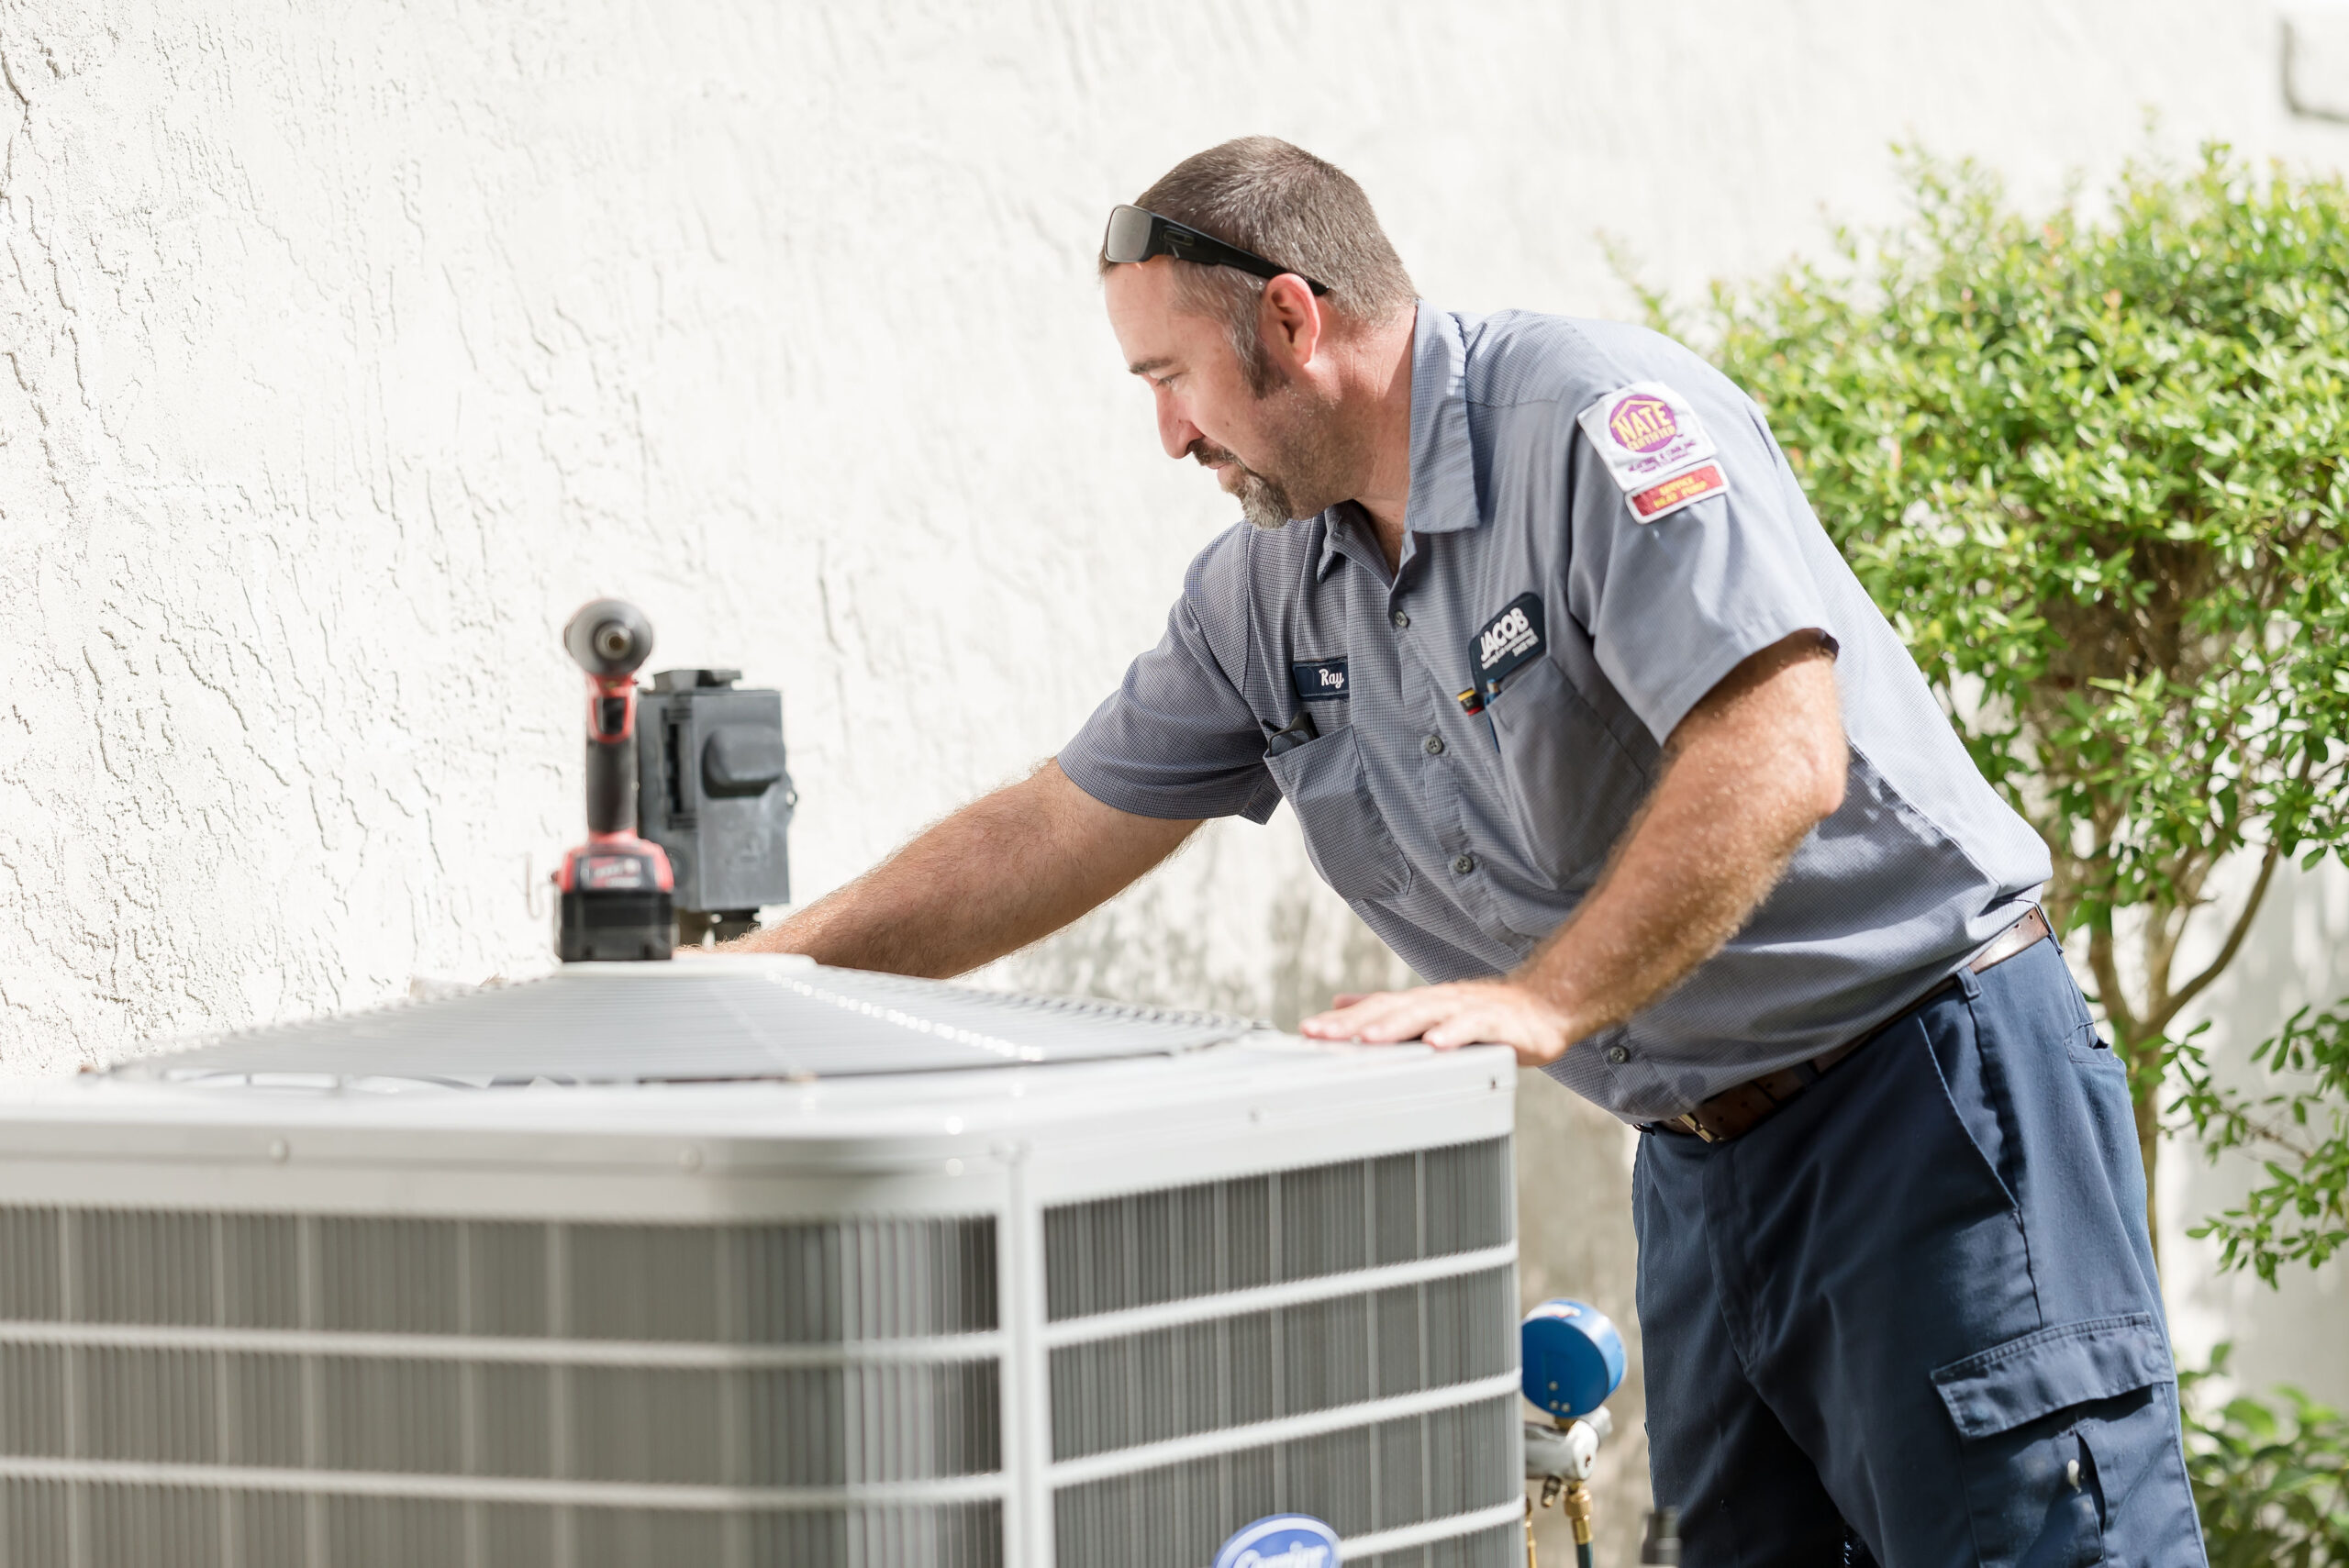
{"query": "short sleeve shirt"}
(1600, 527)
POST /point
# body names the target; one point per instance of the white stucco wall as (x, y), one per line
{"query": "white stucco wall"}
(349, 347)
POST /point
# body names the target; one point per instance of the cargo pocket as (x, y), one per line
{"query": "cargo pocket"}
(1344, 834)
(2056, 1430)
(1571, 785)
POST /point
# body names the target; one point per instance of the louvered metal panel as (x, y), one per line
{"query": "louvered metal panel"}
(1290, 1361)
(816, 1284)
(1361, 1479)
(314, 1347)
(52, 1524)
(1433, 1321)
(1144, 1248)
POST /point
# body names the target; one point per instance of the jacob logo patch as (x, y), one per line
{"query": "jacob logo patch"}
(1319, 680)
(1644, 432)
(1505, 644)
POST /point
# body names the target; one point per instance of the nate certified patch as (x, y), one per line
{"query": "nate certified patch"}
(1321, 680)
(1680, 490)
(1645, 432)
(1507, 642)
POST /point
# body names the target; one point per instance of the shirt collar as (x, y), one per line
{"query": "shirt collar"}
(1443, 467)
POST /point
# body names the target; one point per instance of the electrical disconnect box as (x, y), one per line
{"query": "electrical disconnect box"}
(715, 795)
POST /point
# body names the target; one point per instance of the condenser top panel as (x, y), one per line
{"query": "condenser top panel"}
(691, 1020)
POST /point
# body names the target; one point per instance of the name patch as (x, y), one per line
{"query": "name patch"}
(1644, 433)
(1505, 643)
(1322, 680)
(1680, 490)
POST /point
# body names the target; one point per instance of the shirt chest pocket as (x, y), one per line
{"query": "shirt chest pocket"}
(1344, 834)
(1570, 786)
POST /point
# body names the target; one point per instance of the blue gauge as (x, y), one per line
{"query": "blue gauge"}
(1573, 1357)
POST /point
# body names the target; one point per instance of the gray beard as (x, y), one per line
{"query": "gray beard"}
(1265, 502)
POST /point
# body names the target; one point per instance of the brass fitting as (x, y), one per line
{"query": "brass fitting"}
(1577, 1508)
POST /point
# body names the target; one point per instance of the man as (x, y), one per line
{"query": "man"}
(1580, 710)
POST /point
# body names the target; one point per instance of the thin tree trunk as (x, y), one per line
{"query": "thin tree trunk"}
(2132, 1042)
(2147, 1111)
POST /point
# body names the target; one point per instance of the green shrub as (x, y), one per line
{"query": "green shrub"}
(2273, 1487)
(2095, 467)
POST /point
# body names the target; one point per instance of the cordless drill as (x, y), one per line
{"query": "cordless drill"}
(617, 888)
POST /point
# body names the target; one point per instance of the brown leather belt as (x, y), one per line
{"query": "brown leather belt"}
(1734, 1113)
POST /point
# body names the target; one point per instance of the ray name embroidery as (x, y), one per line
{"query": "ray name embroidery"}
(1319, 680)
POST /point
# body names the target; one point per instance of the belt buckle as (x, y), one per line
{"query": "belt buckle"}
(1689, 1124)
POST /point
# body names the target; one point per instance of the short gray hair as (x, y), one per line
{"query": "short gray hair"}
(1295, 210)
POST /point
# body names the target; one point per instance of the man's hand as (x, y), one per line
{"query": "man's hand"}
(1467, 1012)
(1755, 765)
(1004, 871)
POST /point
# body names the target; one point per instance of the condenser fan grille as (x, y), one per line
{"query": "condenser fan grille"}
(694, 1020)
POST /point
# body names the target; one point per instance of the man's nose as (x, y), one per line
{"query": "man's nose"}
(1175, 433)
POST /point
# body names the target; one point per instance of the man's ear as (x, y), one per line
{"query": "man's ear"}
(1289, 321)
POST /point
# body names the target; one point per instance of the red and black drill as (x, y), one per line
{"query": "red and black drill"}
(617, 889)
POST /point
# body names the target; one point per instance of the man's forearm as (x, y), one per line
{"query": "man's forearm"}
(1748, 773)
(1747, 778)
(1003, 872)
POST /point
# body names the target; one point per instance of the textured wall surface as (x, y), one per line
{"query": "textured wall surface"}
(348, 348)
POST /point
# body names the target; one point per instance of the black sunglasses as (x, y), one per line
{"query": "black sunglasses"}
(1136, 233)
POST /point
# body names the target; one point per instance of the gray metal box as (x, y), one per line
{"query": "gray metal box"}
(713, 790)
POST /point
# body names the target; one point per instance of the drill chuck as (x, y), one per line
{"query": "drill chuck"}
(609, 638)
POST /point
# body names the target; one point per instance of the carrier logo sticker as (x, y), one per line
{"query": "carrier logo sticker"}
(1680, 490)
(1505, 643)
(1284, 1540)
(1321, 680)
(1645, 432)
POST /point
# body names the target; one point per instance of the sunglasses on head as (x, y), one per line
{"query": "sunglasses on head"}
(1136, 233)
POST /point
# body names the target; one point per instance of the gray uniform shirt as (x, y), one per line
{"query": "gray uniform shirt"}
(1601, 527)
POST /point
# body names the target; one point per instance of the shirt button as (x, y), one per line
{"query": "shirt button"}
(1619, 1055)
(1432, 745)
(1465, 864)
(1400, 619)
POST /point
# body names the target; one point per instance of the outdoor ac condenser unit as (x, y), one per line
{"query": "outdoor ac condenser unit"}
(751, 1264)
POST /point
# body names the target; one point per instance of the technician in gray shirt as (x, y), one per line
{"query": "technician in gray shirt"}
(1581, 712)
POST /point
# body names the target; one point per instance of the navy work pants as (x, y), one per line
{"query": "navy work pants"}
(1916, 1310)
